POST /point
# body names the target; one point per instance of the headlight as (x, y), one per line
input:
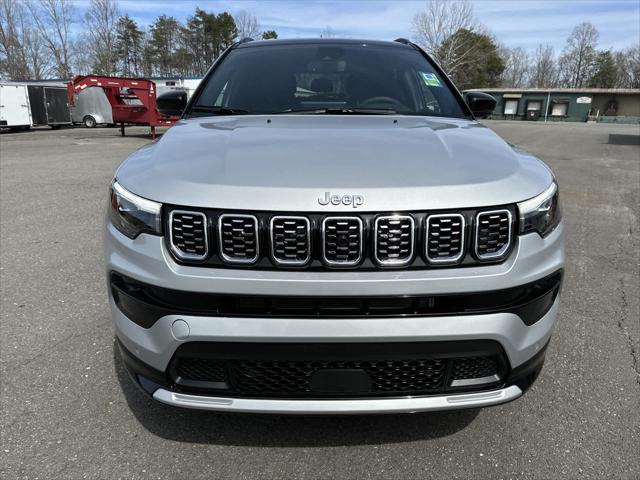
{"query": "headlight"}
(133, 215)
(542, 213)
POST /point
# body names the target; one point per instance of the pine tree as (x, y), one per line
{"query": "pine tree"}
(129, 47)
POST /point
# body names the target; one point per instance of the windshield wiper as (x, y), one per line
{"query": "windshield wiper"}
(219, 110)
(339, 111)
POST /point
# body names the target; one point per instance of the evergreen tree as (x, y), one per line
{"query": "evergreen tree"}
(129, 48)
(477, 62)
(163, 41)
(605, 71)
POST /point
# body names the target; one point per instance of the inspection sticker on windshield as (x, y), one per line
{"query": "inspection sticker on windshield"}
(430, 79)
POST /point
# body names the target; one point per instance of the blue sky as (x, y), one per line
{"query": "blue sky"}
(516, 23)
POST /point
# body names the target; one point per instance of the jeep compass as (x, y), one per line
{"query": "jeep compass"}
(329, 229)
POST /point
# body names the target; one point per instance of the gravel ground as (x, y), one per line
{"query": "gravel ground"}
(69, 411)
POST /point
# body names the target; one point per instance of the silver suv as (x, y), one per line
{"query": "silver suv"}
(328, 229)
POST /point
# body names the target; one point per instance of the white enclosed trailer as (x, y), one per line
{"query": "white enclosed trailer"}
(14, 106)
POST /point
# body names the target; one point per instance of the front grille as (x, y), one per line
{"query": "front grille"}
(342, 240)
(290, 240)
(188, 232)
(362, 241)
(445, 238)
(394, 239)
(493, 233)
(278, 372)
(238, 236)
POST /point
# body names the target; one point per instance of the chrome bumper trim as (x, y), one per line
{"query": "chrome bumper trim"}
(346, 406)
(467, 382)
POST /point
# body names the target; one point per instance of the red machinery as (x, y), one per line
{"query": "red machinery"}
(133, 100)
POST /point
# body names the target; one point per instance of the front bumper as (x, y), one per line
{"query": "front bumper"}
(146, 260)
(346, 406)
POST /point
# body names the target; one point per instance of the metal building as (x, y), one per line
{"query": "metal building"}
(566, 104)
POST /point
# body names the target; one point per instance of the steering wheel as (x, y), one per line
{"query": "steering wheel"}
(376, 101)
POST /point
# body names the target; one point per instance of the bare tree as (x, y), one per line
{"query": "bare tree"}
(36, 52)
(628, 68)
(435, 30)
(544, 72)
(327, 32)
(579, 55)
(247, 25)
(13, 55)
(100, 22)
(53, 20)
(517, 66)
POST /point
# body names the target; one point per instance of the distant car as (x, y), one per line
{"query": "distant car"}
(328, 229)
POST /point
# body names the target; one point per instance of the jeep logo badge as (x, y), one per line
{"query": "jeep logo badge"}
(354, 200)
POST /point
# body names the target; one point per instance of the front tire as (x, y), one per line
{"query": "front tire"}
(89, 121)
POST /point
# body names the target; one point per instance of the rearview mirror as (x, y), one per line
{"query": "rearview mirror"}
(172, 103)
(480, 103)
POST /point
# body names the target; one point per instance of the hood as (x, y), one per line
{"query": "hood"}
(289, 162)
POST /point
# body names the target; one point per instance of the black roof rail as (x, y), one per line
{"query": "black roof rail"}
(246, 40)
(402, 40)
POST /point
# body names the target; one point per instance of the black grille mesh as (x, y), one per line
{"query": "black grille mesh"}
(493, 233)
(188, 234)
(273, 378)
(290, 239)
(202, 370)
(394, 239)
(238, 238)
(445, 238)
(474, 367)
(342, 240)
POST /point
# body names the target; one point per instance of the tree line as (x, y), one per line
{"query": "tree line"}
(469, 53)
(37, 40)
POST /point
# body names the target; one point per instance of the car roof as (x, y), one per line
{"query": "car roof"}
(319, 41)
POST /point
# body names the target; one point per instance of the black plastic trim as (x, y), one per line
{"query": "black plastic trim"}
(229, 352)
(144, 304)
(149, 379)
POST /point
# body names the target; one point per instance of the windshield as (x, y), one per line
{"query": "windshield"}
(325, 78)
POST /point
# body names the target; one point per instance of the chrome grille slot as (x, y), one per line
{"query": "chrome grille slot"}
(444, 238)
(493, 234)
(290, 240)
(342, 240)
(393, 243)
(188, 234)
(238, 237)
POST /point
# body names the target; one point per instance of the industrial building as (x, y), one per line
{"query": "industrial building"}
(615, 105)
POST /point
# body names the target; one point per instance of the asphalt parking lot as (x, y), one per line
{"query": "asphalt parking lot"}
(69, 411)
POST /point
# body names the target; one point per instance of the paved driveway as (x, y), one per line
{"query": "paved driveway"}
(68, 410)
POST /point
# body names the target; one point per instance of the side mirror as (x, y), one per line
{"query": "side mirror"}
(480, 103)
(172, 103)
